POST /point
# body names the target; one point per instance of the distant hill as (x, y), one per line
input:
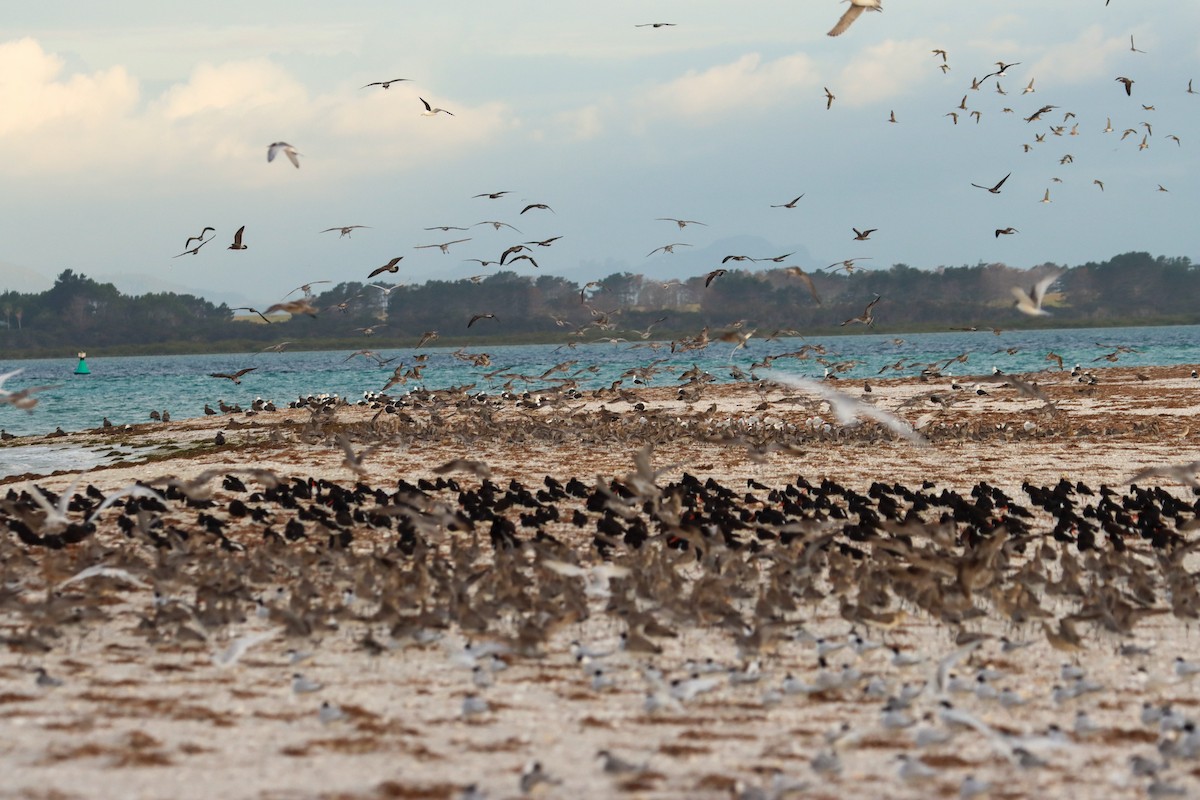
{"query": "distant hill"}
(21, 279)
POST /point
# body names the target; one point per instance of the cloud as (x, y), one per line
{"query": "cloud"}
(211, 127)
(888, 70)
(745, 84)
(1080, 60)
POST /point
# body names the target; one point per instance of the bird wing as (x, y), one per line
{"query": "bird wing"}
(237, 237)
(852, 13)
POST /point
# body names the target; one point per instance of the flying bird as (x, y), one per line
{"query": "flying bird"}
(478, 317)
(195, 249)
(1005, 231)
(294, 307)
(253, 310)
(237, 240)
(392, 266)
(829, 98)
(1046, 197)
(1099, 183)
(808, 281)
(994, 189)
(1132, 47)
(537, 205)
(656, 25)
(1128, 85)
(494, 223)
(384, 84)
(791, 204)
(999, 73)
(345, 230)
(236, 377)
(1031, 302)
(857, 7)
(430, 111)
(712, 276)
(492, 195)
(444, 247)
(848, 264)
(667, 248)
(199, 238)
(862, 236)
(682, 223)
(1038, 114)
(289, 151)
(866, 318)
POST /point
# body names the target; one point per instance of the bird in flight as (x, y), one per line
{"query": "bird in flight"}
(478, 317)
(494, 223)
(1031, 302)
(306, 288)
(301, 306)
(1046, 197)
(1132, 47)
(345, 230)
(994, 189)
(430, 111)
(199, 238)
(791, 204)
(862, 236)
(542, 206)
(1099, 183)
(829, 98)
(392, 266)
(444, 247)
(999, 73)
(255, 311)
(808, 281)
(1128, 85)
(682, 223)
(196, 249)
(236, 377)
(712, 276)
(656, 25)
(857, 7)
(866, 318)
(1005, 231)
(274, 148)
(848, 264)
(384, 84)
(492, 195)
(667, 248)
(237, 240)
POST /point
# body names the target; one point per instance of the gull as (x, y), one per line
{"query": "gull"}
(387, 290)
(1038, 114)
(866, 317)
(430, 111)
(542, 206)
(478, 317)
(1162, 188)
(523, 258)
(776, 259)
(712, 276)
(667, 248)
(384, 84)
(1006, 231)
(1128, 85)
(682, 223)
(862, 236)
(1175, 139)
(656, 25)
(857, 7)
(237, 240)
(848, 264)
(252, 310)
(846, 408)
(1031, 302)
(236, 377)
(892, 116)
(301, 306)
(1003, 68)
(1132, 48)
(941, 53)
(953, 116)
(199, 238)
(1029, 89)
(289, 151)
(445, 228)
(445, 247)
(492, 195)
(392, 266)
(133, 490)
(345, 229)
(994, 189)
(55, 518)
(494, 223)
(808, 281)
(1046, 197)
(791, 204)
(196, 249)
(427, 336)
(22, 398)
(829, 98)
(545, 242)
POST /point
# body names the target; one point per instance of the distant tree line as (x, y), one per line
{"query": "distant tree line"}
(78, 312)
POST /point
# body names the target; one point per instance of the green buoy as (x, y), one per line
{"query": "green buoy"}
(82, 368)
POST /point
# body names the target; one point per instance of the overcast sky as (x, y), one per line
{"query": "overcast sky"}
(123, 132)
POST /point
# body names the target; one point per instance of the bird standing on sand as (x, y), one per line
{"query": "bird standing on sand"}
(857, 7)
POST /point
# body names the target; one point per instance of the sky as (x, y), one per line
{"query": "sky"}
(124, 131)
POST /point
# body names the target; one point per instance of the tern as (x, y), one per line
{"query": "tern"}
(857, 7)
(289, 151)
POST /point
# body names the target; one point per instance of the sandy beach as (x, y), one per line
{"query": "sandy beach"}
(759, 653)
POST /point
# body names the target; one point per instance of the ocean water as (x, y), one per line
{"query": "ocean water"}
(126, 389)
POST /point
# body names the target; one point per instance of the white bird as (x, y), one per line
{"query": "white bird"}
(1031, 302)
(846, 408)
(430, 111)
(857, 7)
(238, 647)
(274, 148)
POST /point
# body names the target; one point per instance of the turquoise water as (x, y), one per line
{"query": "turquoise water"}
(126, 389)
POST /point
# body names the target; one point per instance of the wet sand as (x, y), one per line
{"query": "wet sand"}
(145, 714)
